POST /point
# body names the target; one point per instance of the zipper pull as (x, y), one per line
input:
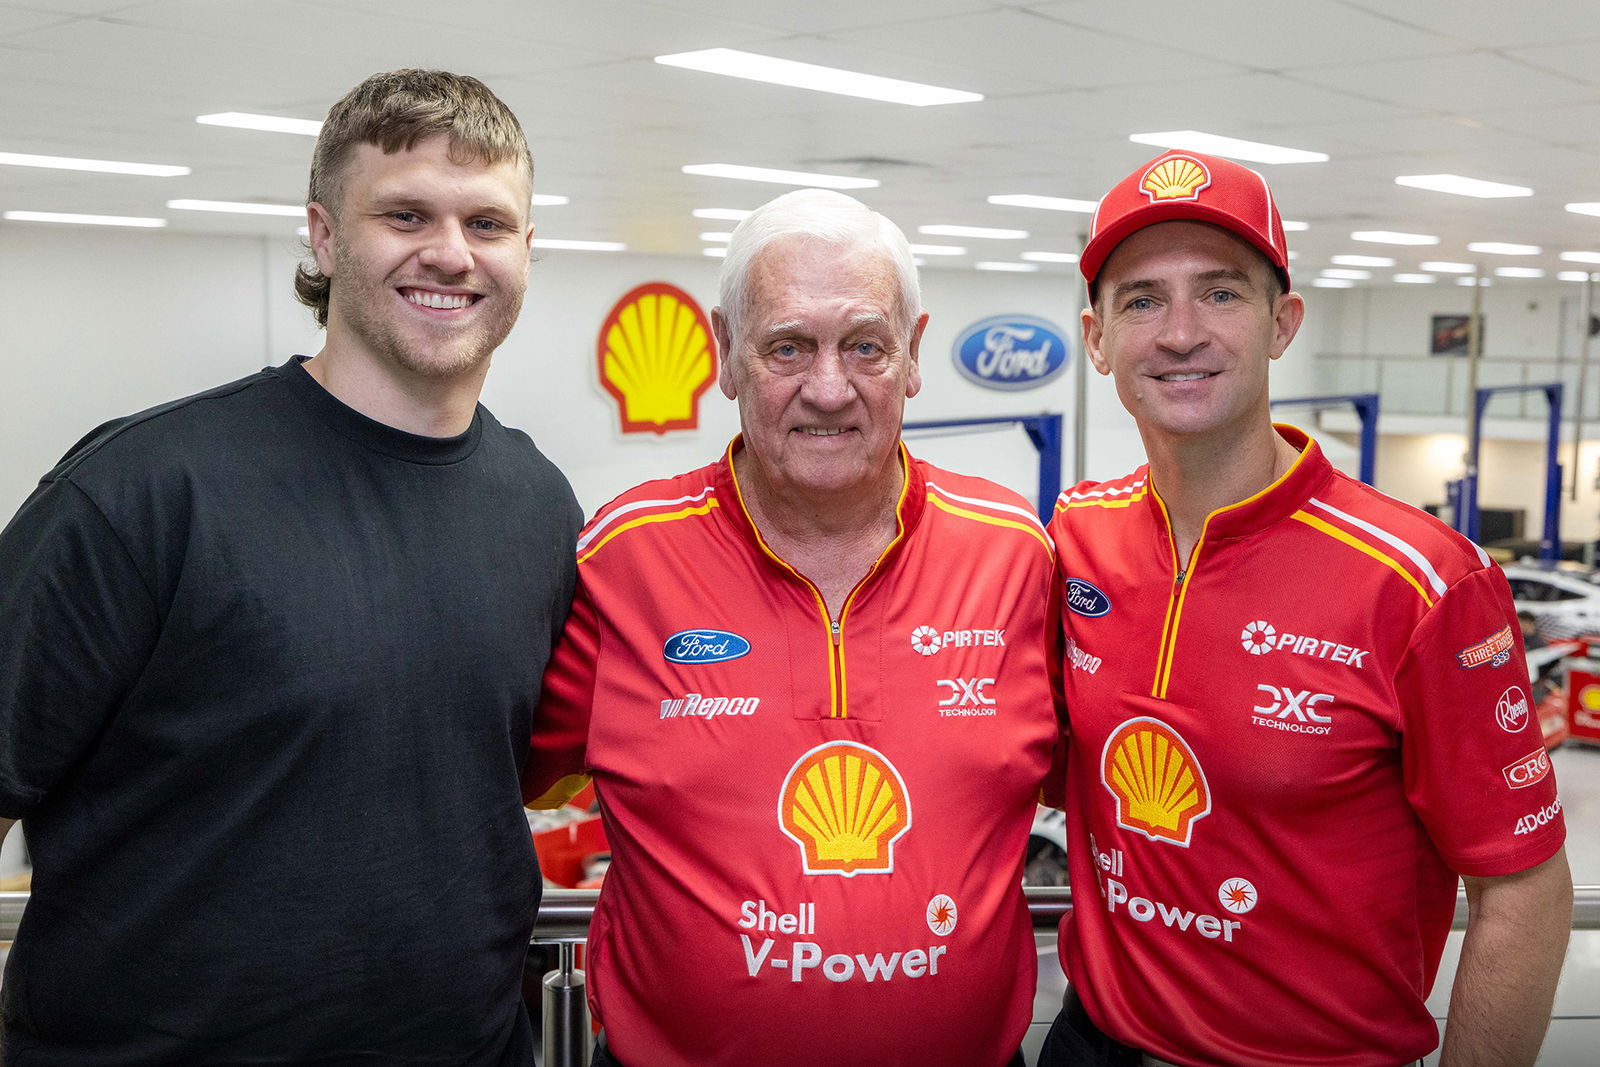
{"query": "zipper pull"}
(1179, 579)
(835, 625)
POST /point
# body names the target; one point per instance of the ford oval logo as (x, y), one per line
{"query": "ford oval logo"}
(1085, 599)
(1011, 352)
(704, 646)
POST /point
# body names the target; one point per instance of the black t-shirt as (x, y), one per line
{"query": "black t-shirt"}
(267, 671)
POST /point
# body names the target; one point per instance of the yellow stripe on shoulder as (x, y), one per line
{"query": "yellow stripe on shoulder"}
(1031, 529)
(558, 794)
(1361, 546)
(1104, 498)
(647, 520)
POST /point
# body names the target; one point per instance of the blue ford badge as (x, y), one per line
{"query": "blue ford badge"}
(1011, 352)
(704, 646)
(1085, 599)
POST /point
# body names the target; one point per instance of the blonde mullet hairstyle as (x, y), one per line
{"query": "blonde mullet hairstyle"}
(393, 112)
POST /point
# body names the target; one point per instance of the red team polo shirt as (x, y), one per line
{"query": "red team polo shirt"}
(817, 836)
(1281, 756)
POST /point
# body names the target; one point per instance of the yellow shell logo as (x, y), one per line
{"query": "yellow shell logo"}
(1158, 783)
(1175, 178)
(845, 805)
(655, 358)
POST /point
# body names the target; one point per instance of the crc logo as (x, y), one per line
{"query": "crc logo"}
(1529, 770)
(1511, 710)
(1260, 637)
(1286, 702)
(1084, 599)
(926, 640)
(967, 691)
(704, 646)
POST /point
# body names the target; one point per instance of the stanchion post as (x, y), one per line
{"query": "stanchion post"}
(565, 1014)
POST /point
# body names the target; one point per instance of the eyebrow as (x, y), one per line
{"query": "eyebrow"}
(1221, 274)
(865, 320)
(402, 201)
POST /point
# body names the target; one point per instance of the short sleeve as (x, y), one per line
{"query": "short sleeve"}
(553, 773)
(79, 624)
(1476, 770)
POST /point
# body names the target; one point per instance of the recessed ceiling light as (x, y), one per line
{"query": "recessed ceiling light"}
(235, 208)
(1231, 147)
(938, 250)
(973, 231)
(1501, 248)
(1482, 282)
(724, 214)
(1332, 283)
(580, 246)
(1591, 208)
(1414, 279)
(716, 252)
(1456, 184)
(1353, 275)
(83, 220)
(1045, 203)
(991, 265)
(1050, 257)
(736, 64)
(1362, 261)
(1519, 272)
(548, 200)
(103, 166)
(243, 120)
(722, 238)
(780, 177)
(1581, 257)
(1391, 237)
(1440, 267)
(1291, 226)
(1573, 275)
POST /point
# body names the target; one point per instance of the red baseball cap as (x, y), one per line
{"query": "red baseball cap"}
(1187, 185)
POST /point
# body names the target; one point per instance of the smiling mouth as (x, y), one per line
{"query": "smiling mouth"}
(440, 301)
(1188, 376)
(821, 431)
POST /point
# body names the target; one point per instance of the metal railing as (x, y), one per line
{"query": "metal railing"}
(564, 918)
(1439, 385)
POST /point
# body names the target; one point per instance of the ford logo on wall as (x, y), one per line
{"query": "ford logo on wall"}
(704, 646)
(1085, 599)
(1011, 352)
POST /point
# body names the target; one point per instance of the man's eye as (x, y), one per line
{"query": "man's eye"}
(486, 225)
(1222, 296)
(867, 348)
(786, 351)
(406, 217)
(1141, 303)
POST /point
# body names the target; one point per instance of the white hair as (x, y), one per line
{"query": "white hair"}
(820, 215)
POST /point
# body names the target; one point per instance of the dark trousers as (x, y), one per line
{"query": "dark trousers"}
(604, 1058)
(1075, 1041)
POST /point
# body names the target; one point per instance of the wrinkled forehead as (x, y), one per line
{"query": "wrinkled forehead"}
(798, 271)
(1199, 246)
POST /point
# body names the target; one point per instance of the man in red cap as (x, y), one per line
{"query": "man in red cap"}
(1274, 784)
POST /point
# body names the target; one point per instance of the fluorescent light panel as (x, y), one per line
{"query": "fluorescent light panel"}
(1045, 203)
(779, 177)
(1572, 275)
(1482, 282)
(1459, 186)
(1581, 257)
(549, 200)
(1332, 283)
(723, 214)
(239, 208)
(1050, 257)
(1501, 248)
(1519, 272)
(579, 246)
(1016, 267)
(1440, 267)
(938, 250)
(717, 252)
(102, 166)
(1231, 147)
(1291, 226)
(1392, 237)
(243, 120)
(1351, 275)
(1414, 279)
(83, 220)
(1362, 261)
(736, 64)
(717, 236)
(942, 230)
(1584, 209)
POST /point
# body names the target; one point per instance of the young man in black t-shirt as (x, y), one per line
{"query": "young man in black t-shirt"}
(270, 653)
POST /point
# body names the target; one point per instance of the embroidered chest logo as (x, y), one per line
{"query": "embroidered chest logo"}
(1156, 779)
(845, 805)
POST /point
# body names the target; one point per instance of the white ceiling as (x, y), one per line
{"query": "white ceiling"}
(1484, 88)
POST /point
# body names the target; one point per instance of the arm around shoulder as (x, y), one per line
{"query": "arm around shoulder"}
(1516, 938)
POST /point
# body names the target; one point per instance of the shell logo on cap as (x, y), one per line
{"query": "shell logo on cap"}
(655, 358)
(845, 805)
(1158, 783)
(1175, 178)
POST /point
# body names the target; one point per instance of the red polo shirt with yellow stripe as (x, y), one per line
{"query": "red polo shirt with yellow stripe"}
(1283, 750)
(817, 832)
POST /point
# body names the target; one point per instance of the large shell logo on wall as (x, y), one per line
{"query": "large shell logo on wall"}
(1175, 178)
(655, 357)
(1158, 783)
(845, 805)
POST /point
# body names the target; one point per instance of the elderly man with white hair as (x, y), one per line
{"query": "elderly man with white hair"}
(812, 683)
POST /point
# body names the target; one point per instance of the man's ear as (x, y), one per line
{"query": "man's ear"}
(1091, 340)
(319, 225)
(719, 330)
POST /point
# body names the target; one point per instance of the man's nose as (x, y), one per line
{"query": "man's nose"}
(827, 385)
(1182, 327)
(447, 251)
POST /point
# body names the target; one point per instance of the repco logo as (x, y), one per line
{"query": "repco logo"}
(1529, 770)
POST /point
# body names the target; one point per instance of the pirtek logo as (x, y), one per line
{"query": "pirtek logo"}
(1529, 770)
(1260, 637)
(926, 640)
(966, 691)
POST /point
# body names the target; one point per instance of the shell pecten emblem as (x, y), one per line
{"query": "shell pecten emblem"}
(1175, 178)
(655, 358)
(845, 805)
(1159, 785)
